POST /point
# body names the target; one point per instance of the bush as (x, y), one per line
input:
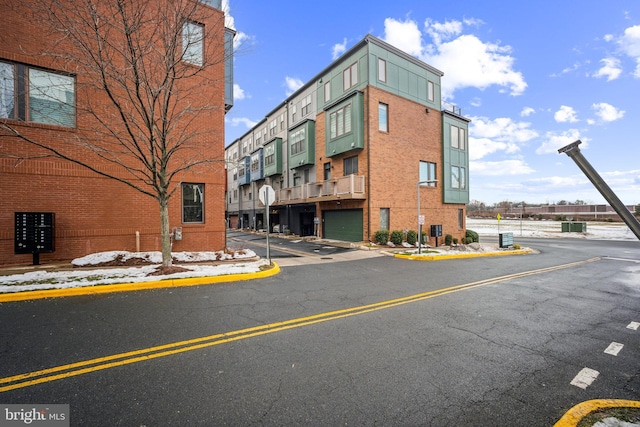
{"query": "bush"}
(470, 234)
(455, 240)
(467, 240)
(396, 237)
(381, 237)
(423, 240)
(517, 246)
(412, 237)
(448, 239)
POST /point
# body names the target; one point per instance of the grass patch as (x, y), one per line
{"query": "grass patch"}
(629, 415)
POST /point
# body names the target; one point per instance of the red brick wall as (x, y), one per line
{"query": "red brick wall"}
(94, 213)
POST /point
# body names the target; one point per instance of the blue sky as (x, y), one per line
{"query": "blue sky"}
(532, 77)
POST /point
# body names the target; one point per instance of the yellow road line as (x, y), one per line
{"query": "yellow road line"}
(120, 359)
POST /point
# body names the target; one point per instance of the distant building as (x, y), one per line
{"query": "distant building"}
(346, 151)
(93, 213)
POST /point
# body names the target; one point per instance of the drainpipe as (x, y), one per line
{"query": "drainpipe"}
(573, 151)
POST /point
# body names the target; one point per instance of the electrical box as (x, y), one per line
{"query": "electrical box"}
(177, 233)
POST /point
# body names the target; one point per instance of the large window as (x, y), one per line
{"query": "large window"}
(37, 96)
(270, 155)
(327, 91)
(192, 202)
(458, 177)
(350, 165)
(350, 77)
(340, 121)
(193, 43)
(428, 173)
(306, 105)
(382, 70)
(430, 91)
(297, 141)
(383, 117)
(458, 137)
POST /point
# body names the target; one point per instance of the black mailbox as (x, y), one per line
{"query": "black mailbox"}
(436, 230)
(35, 233)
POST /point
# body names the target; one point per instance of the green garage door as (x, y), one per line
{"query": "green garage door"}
(343, 225)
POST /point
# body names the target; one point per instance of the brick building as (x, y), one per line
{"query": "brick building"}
(49, 96)
(345, 153)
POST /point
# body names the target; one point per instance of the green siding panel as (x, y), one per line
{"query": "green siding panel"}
(273, 148)
(307, 155)
(346, 225)
(352, 140)
(454, 157)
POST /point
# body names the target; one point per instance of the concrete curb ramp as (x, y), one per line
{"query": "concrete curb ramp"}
(417, 257)
(581, 410)
(139, 286)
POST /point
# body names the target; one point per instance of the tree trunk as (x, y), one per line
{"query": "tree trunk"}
(164, 233)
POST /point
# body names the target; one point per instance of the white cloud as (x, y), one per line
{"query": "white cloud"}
(292, 84)
(527, 111)
(630, 44)
(611, 69)
(237, 121)
(555, 141)
(502, 134)
(238, 93)
(565, 114)
(405, 35)
(338, 49)
(505, 167)
(469, 61)
(607, 112)
(229, 22)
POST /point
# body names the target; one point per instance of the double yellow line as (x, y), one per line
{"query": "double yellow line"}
(121, 359)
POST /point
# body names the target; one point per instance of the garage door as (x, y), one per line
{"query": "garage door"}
(343, 225)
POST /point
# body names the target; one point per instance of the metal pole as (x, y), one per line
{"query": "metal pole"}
(573, 151)
(419, 225)
(266, 208)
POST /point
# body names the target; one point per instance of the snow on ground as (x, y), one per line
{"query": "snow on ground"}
(42, 279)
(550, 229)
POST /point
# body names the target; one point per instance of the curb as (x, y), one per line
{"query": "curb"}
(574, 415)
(139, 286)
(458, 256)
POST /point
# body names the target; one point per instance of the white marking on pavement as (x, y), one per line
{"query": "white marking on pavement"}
(633, 325)
(614, 348)
(584, 378)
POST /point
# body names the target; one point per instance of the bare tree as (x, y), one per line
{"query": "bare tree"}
(139, 67)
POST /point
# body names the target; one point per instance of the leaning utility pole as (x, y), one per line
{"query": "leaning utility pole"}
(573, 151)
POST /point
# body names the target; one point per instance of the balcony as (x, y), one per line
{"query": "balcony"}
(343, 188)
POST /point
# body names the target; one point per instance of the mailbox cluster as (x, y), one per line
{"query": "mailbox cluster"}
(35, 233)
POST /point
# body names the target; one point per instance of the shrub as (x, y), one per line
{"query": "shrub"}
(455, 240)
(517, 246)
(467, 240)
(396, 237)
(448, 239)
(423, 239)
(381, 237)
(470, 234)
(412, 237)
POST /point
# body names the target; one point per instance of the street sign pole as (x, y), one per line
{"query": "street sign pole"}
(266, 207)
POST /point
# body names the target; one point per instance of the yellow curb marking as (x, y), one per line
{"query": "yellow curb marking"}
(575, 414)
(101, 363)
(417, 257)
(140, 286)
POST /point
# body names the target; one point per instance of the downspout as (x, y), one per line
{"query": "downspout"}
(368, 178)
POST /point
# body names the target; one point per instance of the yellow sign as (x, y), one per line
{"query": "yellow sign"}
(499, 217)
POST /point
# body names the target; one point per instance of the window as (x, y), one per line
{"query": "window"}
(306, 176)
(273, 127)
(270, 155)
(192, 202)
(7, 91)
(350, 77)
(428, 173)
(460, 218)
(306, 105)
(384, 218)
(327, 91)
(327, 171)
(294, 110)
(458, 138)
(350, 165)
(297, 141)
(383, 117)
(430, 91)
(340, 121)
(382, 70)
(255, 164)
(193, 43)
(48, 98)
(458, 177)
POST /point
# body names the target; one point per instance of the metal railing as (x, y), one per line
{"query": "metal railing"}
(344, 187)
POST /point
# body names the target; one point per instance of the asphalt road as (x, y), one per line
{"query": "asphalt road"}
(379, 341)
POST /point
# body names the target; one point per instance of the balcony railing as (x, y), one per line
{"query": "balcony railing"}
(343, 188)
